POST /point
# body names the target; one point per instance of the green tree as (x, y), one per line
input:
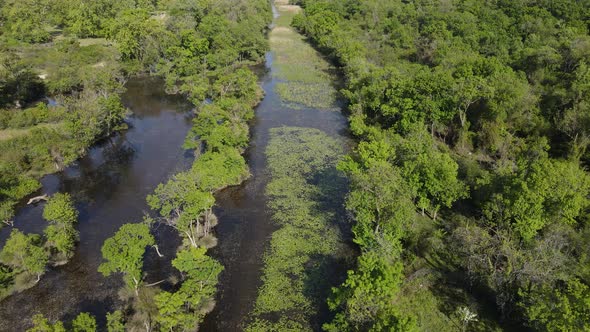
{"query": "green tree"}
(183, 203)
(115, 321)
(124, 252)
(365, 300)
(432, 173)
(540, 193)
(61, 233)
(24, 253)
(41, 324)
(26, 20)
(84, 322)
(562, 308)
(380, 198)
(60, 209)
(186, 308)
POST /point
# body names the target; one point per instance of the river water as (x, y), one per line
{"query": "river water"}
(245, 227)
(109, 185)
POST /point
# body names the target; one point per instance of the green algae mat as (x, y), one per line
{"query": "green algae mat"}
(306, 79)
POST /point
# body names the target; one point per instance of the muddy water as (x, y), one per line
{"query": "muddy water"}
(109, 186)
(245, 226)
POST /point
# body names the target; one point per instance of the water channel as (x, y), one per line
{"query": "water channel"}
(245, 226)
(110, 185)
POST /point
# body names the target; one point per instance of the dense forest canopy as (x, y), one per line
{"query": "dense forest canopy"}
(476, 113)
(468, 189)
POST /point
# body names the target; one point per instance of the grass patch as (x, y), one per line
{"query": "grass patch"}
(305, 198)
(93, 41)
(305, 75)
(8, 134)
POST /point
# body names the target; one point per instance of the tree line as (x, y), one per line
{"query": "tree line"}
(469, 190)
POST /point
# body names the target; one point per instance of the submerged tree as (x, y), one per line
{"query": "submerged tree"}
(182, 203)
(115, 321)
(84, 322)
(42, 324)
(185, 308)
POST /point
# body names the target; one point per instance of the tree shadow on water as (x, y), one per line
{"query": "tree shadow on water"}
(322, 272)
(96, 308)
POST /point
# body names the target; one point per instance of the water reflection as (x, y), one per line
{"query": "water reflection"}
(109, 186)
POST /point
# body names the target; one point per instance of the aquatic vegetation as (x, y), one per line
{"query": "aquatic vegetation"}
(306, 78)
(308, 246)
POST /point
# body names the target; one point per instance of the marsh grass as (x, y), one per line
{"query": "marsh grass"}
(306, 79)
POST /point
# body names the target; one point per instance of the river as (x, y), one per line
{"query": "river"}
(109, 186)
(245, 226)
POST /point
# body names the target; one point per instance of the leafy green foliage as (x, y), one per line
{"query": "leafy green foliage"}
(60, 209)
(366, 296)
(24, 253)
(553, 309)
(84, 322)
(540, 193)
(186, 307)
(61, 234)
(115, 321)
(124, 252)
(477, 111)
(42, 324)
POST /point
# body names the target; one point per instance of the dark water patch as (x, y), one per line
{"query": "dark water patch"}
(109, 185)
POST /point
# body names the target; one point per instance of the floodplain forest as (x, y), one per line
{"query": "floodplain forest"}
(456, 200)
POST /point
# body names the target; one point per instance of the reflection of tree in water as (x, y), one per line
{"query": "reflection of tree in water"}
(147, 98)
(95, 181)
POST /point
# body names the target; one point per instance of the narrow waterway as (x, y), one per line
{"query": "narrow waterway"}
(245, 226)
(109, 186)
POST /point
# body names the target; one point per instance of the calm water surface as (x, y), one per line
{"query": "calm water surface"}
(109, 186)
